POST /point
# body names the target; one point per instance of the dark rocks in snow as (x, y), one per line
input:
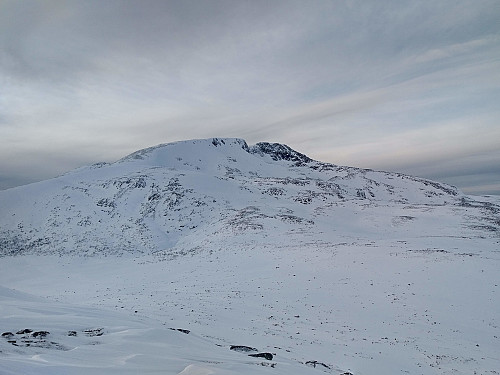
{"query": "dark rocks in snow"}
(242, 348)
(72, 333)
(451, 190)
(28, 332)
(186, 331)
(127, 183)
(32, 339)
(217, 142)
(154, 197)
(94, 332)
(24, 331)
(247, 349)
(99, 164)
(106, 202)
(46, 345)
(40, 334)
(316, 363)
(267, 356)
(267, 364)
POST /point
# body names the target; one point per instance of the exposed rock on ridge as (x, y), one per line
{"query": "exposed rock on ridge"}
(279, 151)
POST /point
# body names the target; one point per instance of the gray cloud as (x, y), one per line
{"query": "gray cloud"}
(350, 82)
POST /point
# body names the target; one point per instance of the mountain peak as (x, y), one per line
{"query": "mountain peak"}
(278, 151)
(187, 145)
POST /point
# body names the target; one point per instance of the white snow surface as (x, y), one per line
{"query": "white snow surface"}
(331, 269)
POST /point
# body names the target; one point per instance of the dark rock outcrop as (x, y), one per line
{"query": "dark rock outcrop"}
(316, 363)
(94, 332)
(242, 348)
(24, 331)
(279, 151)
(186, 331)
(40, 334)
(267, 356)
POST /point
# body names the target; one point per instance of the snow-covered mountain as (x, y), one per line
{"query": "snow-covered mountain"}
(171, 196)
(329, 268)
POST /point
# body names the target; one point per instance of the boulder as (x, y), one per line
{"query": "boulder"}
(267, 356)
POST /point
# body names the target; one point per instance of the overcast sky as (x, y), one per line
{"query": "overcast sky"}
(409, 86)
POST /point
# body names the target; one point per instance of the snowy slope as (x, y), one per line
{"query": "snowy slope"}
(69, 339)
(362, 271)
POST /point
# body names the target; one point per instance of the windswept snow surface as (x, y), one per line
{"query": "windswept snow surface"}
(330, 269)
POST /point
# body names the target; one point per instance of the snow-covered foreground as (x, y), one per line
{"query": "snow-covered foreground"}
(69, 339)
(425, 306)
(328, 269)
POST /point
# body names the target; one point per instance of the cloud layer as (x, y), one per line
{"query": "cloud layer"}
(398, 85)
